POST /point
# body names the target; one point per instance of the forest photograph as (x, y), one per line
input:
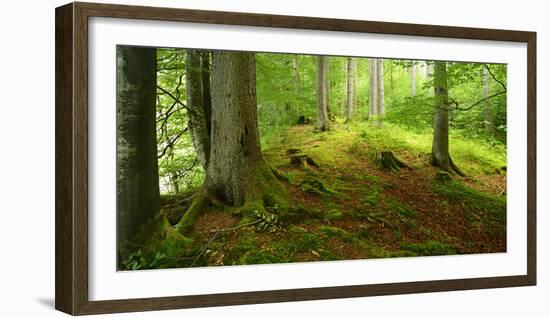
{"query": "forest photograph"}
(238, 158)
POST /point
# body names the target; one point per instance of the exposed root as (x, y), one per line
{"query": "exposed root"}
(455, 168)
(200, 201)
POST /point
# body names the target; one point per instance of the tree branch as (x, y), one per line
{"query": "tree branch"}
(494, 77)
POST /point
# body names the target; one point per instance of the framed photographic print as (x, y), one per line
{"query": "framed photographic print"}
(211, 158)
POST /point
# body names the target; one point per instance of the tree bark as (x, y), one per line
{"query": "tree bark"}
(198, 126)
(350, 89)
(440, 156)
(373, 87)
(380, 85)
(322, 115)
(138, 198)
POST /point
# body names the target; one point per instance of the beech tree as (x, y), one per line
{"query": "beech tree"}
(440, 156)
(380, 85)
(373, 87)
(322, 96)
(138, 198)
(197, 105)
(237, 173)
(350, 88)
(413, 80)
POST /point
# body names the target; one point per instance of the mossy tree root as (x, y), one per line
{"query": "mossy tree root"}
(455, 168)
(199, 203)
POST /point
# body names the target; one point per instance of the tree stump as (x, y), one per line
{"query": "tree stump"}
(386, 160)
(298, 160)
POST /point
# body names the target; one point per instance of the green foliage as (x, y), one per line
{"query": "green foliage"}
(267, 221)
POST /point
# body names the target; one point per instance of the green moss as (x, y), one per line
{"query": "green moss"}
(485, 210)
(400, 208)
(429, 248)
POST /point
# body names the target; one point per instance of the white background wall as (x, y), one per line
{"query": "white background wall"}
(27, 157)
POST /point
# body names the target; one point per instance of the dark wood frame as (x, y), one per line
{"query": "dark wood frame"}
(71, 158)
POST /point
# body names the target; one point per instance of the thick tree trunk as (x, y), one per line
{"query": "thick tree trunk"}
(322, 115)
(373, 87)
(413, 80)
(237, 173)
(440, 156)
(380, 85)
(138, 197)
(198, 126)
(488, 112)
(350, 89)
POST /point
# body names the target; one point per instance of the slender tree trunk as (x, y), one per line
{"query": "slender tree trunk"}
(413, 80)
(440, 156)
(206, 93)
(138, 198)
(429, 74)
(196, 106)
(350, 89)
(380, 84)
(373, 87)
(344, 91)
(322, 115)
(328, 86)
(488, 112)
(297, 81)
(355, 83)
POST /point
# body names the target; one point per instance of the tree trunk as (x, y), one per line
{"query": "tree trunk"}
(206, 93)
(380, 84)
(488, 112)
(138, 198)
(350, 89)
(297, 82)
(196, 106)
(344, 91)
(373, 87)
(440, 156)
(413, 80)
(237, 173)
(328, 86)
(322, 115)
(354, 83)
(429, 74)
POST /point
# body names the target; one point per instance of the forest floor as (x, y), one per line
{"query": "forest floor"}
(350, 208)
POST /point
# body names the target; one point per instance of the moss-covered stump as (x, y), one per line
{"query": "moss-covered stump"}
(293, 151)
(386, 160)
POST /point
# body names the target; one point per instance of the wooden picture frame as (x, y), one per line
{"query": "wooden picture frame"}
(71, 124)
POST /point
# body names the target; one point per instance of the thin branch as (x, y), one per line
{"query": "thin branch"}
(171, 142)
(172, 96)
(494, 77)
(478, 102)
